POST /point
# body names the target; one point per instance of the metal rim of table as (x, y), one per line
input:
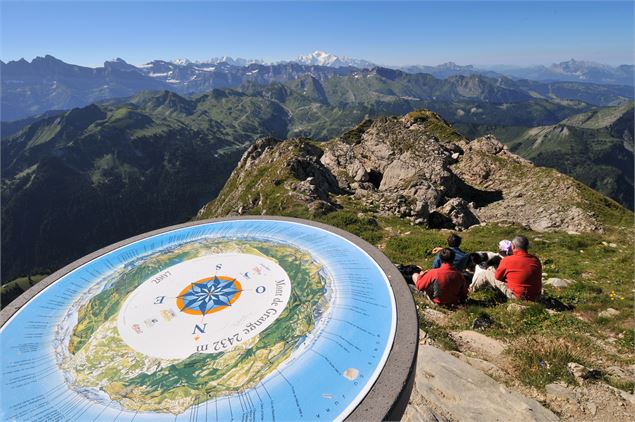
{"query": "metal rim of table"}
(389, 395)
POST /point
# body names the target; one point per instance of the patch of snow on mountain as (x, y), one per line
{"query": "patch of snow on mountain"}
(240, 62)
(321, 58)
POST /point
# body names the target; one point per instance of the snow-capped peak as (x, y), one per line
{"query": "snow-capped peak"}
(215, 60)
(322, 58)
(182, 62)
(239, 61)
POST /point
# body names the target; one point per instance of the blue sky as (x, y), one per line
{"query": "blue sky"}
(390, 33)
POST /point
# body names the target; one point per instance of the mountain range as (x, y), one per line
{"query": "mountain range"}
(571, 70)
(46, 83)
(575, 71)
(115, 164)
(97, 174)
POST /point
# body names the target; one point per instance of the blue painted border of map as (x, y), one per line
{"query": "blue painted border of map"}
(307, 386)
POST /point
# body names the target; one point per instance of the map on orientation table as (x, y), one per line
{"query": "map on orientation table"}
(244, 320)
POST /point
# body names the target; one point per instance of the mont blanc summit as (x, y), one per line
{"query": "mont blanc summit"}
(321, 58)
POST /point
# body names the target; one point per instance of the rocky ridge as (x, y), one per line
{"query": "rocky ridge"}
(416, 167)
(465, 384)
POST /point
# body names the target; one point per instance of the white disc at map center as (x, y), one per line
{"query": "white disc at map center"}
(205, 305)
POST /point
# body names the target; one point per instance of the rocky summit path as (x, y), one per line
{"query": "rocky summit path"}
(449, 389)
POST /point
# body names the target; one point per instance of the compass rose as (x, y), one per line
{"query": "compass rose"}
(209, 295)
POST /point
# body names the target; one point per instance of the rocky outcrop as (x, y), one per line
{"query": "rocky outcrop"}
(443, 383)
(539, 198)
(415, 167)
(400, 168)
(281, 172)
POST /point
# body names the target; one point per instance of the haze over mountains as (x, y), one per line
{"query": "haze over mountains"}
(571, 70)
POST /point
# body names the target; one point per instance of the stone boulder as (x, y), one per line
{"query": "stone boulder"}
(558, 282)
(448, 389)
(456, 213)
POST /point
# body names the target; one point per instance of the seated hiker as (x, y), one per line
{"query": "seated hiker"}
(444, 285)
(518, 276)
(460, 257)
(505, 248)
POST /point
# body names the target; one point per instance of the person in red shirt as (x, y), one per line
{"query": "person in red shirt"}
(445, 285)
(521, 272)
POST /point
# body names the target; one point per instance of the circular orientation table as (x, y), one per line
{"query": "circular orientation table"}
(241, 318)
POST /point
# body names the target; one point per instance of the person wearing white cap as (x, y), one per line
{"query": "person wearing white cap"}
(505, 247)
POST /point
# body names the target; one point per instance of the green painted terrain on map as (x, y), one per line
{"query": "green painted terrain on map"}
(99, 358)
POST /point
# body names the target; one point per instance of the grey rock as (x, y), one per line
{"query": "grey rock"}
(577, 370)
(435, 316)
(361, 175)
(560, 391)
(628, 397)
(592, 408)
(558, 282)
(397, 171)
(581, 373)
(437, 179)
(447, 388)
(524, 201)
(515, 308)
(421, 209)
(480, 364)
(488, 144)
(479, 344)
(609, 313)
(617, 372)
(459, 213)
